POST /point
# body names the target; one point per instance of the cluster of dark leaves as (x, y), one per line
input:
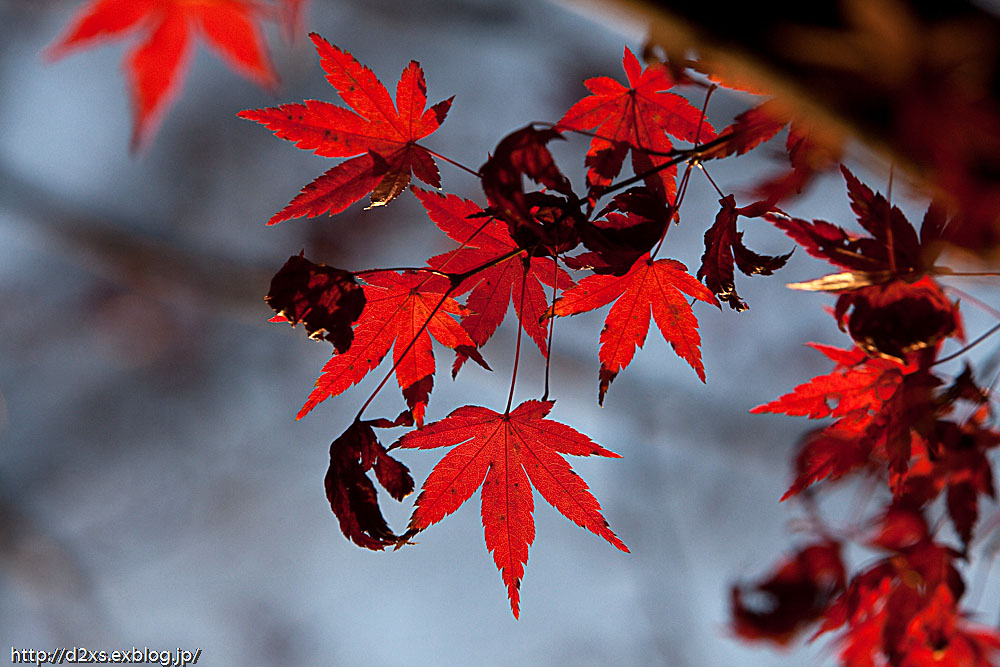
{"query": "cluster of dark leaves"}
(894, 420)
(900, 610)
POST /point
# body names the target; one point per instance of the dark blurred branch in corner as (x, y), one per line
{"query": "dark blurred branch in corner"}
(917, 80)
(118, 253)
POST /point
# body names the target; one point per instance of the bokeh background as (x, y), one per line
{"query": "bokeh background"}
(155, 488)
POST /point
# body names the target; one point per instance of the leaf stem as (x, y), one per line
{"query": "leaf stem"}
(711, 180)
(458, 278)
(676, 157)
(517, 348)
(963, 350)
(892, 174)
(450, 161)
(985, 307)
(704, 109)
(463, 245)
(400, 269)
(945, 271)
(678, 198)
(552, 326)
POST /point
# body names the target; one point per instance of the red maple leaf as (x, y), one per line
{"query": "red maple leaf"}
(877, 402)
(829, 453)
(858, 389)
(938, 636)
(650, 286)
(895, 307)
(750, 129)
(887, 414)
(904, 607)
(892, 250)
(954, 458)
(383, 136)
(156, 67)
(516, 278)
(501, 453)
(639, 117)
(397, 306)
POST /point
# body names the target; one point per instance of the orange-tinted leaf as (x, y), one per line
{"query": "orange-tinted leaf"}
(503, 453)
(651, 286)
(382, 134)
(155, 67)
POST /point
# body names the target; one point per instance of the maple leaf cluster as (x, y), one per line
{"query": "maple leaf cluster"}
(894, 420)
(893, 413)
(509, 253)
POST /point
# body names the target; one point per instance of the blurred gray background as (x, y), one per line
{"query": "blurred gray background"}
(155, 488)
